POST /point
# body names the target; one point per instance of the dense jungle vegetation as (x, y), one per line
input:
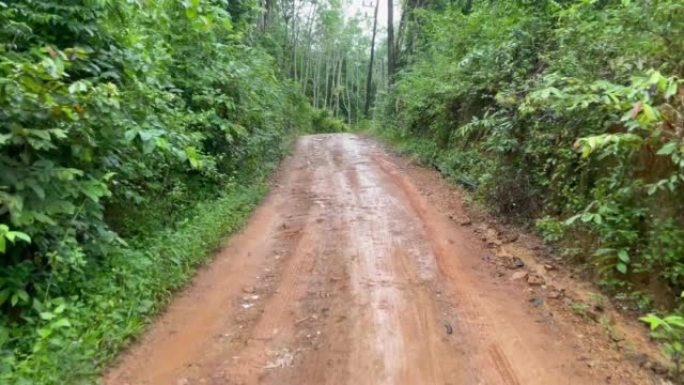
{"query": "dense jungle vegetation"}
(134, 135)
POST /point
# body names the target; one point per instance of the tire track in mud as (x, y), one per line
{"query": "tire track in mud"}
(272, 337)
(474, 319)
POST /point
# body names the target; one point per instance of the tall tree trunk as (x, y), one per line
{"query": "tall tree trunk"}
(307, 66)
(294, 40)
(333, 82)
(390, 42)
(346, 88)
(369, 79)
(337, 85)
(325, 91)
(357, 94)
(401, 33)
(317, 80)
(266, 16)
(468, 7)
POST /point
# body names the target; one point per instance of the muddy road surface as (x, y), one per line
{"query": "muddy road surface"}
(349, 274)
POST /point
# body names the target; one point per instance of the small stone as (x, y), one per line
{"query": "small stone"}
(512, 262)
(248, 290)
(640, 359)
(592, 315)
(536, 301)
(535, 280)
(617, 336)
(466, 222)
(510, 238)
(555, 294)
(518, 275)
(549, 267)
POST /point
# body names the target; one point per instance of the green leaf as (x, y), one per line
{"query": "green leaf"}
(5, 138)
(193, 157)
(668, 148)
(649, 113)
(4, 295)
(4, 336)
(61, 323)
(623, 256)
(78, 87)
(653, 321)
(675, 320)
(621, 267)
(46, 315)
(23, 236)
(587, 217)
(671, 90)
(94, 190)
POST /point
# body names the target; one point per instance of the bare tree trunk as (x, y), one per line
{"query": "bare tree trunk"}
(294, 40)
(358, 87)
(369, 79)
(265, 17)
(347, 87)
(331, 90)
(307, 66)
(325, 91)
(317, 80)
(337, 85)
(390, 42)
(401, 34)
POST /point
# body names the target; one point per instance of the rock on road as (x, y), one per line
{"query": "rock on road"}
(346, 274)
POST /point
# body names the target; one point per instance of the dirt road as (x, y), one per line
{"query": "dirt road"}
(349, 274)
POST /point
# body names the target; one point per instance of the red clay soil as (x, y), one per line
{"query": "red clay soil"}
(349, 273)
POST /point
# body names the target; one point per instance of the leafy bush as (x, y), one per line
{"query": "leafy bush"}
(74, 336)
(670, 330)
(322, 121)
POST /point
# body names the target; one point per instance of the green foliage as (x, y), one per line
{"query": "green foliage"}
(105, 106)
(72, 336)
(670, 330)
(322, 121)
